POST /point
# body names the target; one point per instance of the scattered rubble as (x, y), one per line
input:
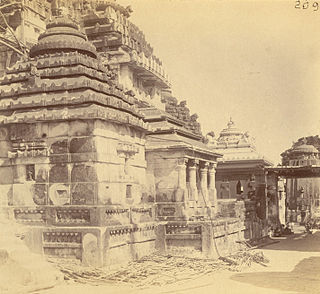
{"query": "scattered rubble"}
(159, 269)
(22, 271)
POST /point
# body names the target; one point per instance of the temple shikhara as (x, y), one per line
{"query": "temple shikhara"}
(101, 161)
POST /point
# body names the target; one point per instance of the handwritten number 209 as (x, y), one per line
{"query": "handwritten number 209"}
(305, 5)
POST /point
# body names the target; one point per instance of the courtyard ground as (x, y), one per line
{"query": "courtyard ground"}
(294, 267)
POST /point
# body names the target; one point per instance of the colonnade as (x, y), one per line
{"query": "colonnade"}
(198, 178)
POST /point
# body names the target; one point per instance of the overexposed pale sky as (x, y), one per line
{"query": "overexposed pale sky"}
(256, 61)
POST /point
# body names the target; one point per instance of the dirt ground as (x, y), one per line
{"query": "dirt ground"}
(294, 267)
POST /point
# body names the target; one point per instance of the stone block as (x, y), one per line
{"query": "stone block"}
(40, 194)
(171, 211)
(59, 146)
(4, 133)
(80, 128)
(83, 157)
(6, 175)
(91, 253)
(41, 173)
(19, 173)
(23, 194)
(5, 162)
(33, 239)
(165, 195)
(132, 193)
(166, 180)
(59, 158)
(109, 172)
(5, 146)
(27, 132)
(59, 173)
(82, 193)
(59, 194)
(106, 145)
(106, 129)
(58, 129)
(110, 193)
(108, 158)
(5, 195)
(81, 145)
(160, 244)
(83, 173)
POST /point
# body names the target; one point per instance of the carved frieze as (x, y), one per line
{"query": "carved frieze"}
(183, 229)
(90, 112)
(30, 215)
(127, 149)
(28, 149)
(73, 216)
(62, 237)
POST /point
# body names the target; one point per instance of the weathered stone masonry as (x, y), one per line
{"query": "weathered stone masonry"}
(73, 150)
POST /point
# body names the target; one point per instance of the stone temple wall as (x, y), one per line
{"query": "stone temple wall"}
(79, 185)
(63, 163)
(163, 174)
(245, 211)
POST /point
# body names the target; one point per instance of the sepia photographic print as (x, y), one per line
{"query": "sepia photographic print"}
(159, 146)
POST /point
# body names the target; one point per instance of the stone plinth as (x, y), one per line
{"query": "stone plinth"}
(202, 238)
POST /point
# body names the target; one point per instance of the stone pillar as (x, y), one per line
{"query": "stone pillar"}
(212, 191)
(193, 192)
(261, 195)
(204, 184)
(181, 167)
(181, 194)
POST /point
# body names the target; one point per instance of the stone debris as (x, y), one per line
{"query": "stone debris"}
(159, 269)
(22, 271)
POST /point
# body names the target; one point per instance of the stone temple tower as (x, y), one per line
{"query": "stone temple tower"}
(72, 152)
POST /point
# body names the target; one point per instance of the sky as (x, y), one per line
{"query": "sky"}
(256, 61)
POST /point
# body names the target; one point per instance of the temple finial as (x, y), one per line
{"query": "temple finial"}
(231, 122)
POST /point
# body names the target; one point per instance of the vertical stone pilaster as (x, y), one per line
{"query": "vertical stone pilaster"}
(212, 191)
(192, 168)
(181, 194)
(182, 167)
(204, 183)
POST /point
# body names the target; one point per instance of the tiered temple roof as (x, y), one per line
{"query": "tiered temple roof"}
(64, 79)
(237, 145)
(304, 148)
(167, 132)
(108, 28)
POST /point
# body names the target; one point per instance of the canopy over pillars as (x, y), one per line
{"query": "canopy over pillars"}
(295, 171)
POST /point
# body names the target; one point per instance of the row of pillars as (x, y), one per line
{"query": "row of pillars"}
(199, 194)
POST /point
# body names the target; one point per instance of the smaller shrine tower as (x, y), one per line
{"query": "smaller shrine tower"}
(303, 194)
(241, 176)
